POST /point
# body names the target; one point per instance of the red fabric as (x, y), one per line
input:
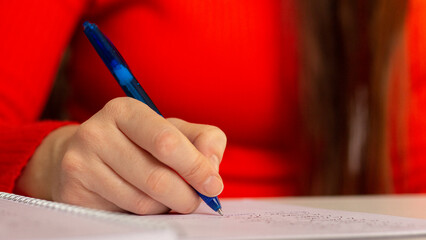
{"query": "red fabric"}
(416, 152)
(232, 64)
(17, 143)
(213, 62)
(33, 37)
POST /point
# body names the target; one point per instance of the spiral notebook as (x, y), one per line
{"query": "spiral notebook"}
(28, 218)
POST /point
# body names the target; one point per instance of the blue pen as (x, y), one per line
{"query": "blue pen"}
(121, 72)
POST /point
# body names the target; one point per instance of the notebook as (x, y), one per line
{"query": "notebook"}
(29, 218)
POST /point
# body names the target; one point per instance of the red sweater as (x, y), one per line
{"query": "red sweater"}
(215, 62)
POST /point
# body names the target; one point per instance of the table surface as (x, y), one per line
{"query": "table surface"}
(405, 205)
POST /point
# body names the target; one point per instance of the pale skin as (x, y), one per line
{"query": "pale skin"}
(127, 158)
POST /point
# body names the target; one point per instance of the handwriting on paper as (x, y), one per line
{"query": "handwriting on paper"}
(251, 219)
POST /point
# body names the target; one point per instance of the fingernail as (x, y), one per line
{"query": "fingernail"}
(215, 160)
(213, 186)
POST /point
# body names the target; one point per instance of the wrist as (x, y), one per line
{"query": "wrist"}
(38, 176)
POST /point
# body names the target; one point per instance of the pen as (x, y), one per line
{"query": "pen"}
(121, 72)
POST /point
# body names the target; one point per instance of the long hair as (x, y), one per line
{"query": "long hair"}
(345, 50)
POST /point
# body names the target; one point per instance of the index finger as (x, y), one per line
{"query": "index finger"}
(166, 143)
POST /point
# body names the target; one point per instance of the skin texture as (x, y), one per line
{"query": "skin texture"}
(127, 158)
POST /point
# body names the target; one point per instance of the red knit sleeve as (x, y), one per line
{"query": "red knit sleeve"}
(17, 144)
(34, 35)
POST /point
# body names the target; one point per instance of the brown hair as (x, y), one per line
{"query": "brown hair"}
(345, 51)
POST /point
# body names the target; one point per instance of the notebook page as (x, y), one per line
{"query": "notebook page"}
(250, 219)
(34, 220)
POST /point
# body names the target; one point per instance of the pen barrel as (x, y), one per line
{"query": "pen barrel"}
(134, 89)
(212, 202)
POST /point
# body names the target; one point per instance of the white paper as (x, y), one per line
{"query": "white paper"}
(245, 219)
(25, 221)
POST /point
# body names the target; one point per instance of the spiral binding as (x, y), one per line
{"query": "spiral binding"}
(86, 212)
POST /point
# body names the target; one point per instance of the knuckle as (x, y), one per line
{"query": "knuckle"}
(222, 136)
(89, 134)
(72, 164)
(157, 182)
(212, 135)
(216, 134)
(117, 106)
(166, 142)
(74, 173)
(197, 169)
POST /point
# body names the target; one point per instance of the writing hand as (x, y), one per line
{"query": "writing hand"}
(127, 157)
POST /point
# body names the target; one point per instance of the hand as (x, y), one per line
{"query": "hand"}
(127, 157)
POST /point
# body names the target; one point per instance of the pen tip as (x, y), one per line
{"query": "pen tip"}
(220, 211)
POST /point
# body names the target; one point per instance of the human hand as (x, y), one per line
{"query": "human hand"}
(127, 157)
